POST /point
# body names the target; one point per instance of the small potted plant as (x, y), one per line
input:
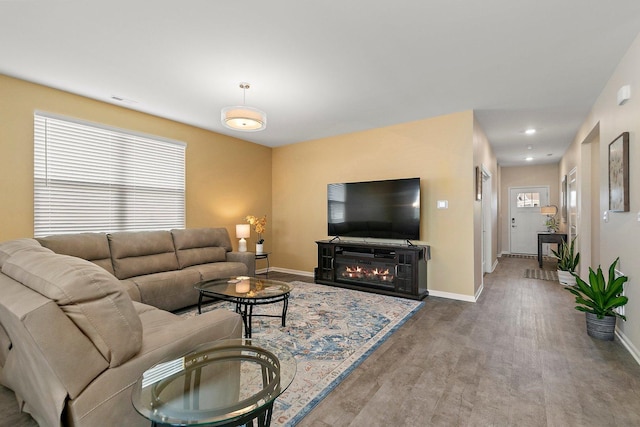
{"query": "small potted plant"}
(599, 299)
(552, 224)
(568, 260)
(260, 226)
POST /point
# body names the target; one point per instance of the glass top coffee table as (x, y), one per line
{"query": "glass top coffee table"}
(222, 383)
(247, 292)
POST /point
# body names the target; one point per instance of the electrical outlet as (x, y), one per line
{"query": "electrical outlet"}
(605, 216)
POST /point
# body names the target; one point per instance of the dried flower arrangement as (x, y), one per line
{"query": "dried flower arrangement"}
(259, 225)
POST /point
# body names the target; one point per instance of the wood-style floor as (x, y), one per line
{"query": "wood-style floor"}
(520, 356)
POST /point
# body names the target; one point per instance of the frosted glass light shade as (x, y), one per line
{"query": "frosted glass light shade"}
(244, 118)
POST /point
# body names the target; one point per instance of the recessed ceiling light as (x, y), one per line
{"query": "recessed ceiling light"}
(529, 147)
(528, 159)
(530, 131)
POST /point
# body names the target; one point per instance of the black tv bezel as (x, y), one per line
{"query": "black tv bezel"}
(408, 239)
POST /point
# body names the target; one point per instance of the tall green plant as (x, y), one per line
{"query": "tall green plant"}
(600, 297)
(568, 259)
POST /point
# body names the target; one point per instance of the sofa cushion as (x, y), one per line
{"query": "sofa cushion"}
(169, 290)
(7, 249)
(92, 298)
(93, 247)
(201, 245)
(142, 252)
(219, 270)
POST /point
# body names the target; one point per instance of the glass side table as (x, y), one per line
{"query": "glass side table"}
(222, 383)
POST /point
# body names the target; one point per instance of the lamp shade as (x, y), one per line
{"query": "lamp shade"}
(549, 210)
(244, 118)
(243, 231)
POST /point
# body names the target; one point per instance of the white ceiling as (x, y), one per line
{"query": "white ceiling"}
(331, 67)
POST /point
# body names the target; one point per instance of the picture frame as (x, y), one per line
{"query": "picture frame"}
(619, 173)
(563, 200)
(478, 183)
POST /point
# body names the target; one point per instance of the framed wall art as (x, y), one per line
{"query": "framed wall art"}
(619, 174)
(563, 200)
(478, 183)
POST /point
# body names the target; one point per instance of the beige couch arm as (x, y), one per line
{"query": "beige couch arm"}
(247, 258)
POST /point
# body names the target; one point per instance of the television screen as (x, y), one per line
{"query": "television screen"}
(387, 209)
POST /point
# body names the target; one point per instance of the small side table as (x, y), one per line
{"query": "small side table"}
(223, 383)
(558, 238)
(265, 256)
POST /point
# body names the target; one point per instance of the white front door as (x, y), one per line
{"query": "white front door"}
(525, 220)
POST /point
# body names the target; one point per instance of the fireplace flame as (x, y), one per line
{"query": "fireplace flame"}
(359, 272)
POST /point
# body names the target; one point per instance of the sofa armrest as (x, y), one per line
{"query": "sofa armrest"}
(247, 258)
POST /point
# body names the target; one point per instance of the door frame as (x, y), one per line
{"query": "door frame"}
(487, 221)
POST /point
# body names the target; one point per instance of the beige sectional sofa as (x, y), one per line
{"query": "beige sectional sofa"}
(77, 331)
(159, 268)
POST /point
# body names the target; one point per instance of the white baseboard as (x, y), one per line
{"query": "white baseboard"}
(477, 295)
(449, 295)
(628, 345)
(287, 270)
(439, 294)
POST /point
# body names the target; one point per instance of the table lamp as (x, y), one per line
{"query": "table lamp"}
(242, 232)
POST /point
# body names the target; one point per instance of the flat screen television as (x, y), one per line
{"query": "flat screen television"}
(388, 209)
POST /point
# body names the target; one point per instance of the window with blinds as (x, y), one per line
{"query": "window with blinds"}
(90, 178)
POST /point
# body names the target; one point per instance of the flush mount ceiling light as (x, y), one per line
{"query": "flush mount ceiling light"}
(241, 117)
(530, 131)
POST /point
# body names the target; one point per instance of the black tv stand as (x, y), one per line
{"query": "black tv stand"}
(390, 269)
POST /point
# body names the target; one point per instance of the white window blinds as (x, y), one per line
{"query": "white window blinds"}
(92, 178)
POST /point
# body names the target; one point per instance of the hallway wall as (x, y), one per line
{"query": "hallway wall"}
(619, 236)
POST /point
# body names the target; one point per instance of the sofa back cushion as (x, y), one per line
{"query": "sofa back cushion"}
(201, 245)
(11, 247)
(93, 247)
(142, 252)
(92, 298)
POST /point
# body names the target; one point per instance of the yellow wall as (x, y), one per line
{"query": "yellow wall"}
(227, 178)
(525, 176)
(438, 150)
(619, 236)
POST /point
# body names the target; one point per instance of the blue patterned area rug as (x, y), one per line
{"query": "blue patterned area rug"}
(330, 331)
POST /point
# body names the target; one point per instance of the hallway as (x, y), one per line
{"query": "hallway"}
(520, 356)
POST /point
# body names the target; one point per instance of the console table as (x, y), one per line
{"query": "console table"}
(558, 238)
(398, 270)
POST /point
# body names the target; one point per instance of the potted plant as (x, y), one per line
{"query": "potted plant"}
(260, 226)
(552, 224)
(599, 299)
(568, 260)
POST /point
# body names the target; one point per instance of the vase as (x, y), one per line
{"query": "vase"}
(259, 248)
(602, 329)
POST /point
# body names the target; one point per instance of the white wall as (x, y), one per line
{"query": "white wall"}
(620, 236)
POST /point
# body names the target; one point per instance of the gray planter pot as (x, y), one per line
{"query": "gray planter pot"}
(602, 329)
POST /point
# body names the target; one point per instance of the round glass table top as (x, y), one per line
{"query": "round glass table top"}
(245, 287)
(215, 384)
